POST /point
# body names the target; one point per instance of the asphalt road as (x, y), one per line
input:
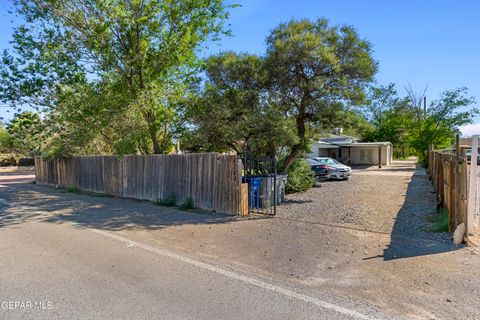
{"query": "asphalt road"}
(68, 271)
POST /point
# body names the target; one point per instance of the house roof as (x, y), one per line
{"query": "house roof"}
(339, 139)
(325, 145)
(366, 144)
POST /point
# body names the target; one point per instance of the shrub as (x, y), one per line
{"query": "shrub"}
(300, 177)
(7, 160)
(186, 204)
(169, 201)
(439, 221)
(72, 190)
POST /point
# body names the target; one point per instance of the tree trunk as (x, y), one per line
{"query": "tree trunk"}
(291, 157)
(271, 150)
(154, 138)
(296, 149)
(152, 131)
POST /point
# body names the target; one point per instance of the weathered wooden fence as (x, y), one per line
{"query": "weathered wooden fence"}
(449, 179)
(455, 180)
(212, 180)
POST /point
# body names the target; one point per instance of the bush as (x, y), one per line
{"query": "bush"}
(439, 220)
(169, 201)
(186, 204)
(300, 177)
(72, 190)
(7, 160)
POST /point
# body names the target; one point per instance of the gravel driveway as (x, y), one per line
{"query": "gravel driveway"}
(392, 200)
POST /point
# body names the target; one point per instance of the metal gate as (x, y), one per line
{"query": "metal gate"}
(264, 184)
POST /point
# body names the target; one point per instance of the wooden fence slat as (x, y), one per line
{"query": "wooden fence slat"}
(211, 180)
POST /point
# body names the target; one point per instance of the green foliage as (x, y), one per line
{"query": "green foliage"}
(102, 195)
(404, 124)
(352, 121)
(187, 204)
(169, 201)
(112, 76)
(439, 220)
(26, 133)
(300, 177)
(315, 69)
(282, 100)
(234, 107)
(72, 190)
(5, 140)
(8, 159)
(444, 118)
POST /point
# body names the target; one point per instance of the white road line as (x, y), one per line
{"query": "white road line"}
(252, 281)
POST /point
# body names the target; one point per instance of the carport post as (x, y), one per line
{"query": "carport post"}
(380, 156)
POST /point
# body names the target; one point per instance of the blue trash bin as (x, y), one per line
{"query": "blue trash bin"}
(254, 187)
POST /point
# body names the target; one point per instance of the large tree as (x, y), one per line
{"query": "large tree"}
(315, 70)
(443, 120)
(412, 130)
(391, 117)
(142, 51)
(280, 101)
(27, 134)
(235, 107)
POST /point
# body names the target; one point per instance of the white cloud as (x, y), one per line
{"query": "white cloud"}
(470, 129)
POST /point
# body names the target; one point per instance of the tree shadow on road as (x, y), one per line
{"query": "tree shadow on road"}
(55, 206)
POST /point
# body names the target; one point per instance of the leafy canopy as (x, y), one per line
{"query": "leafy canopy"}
(26, 133)
(135, 55)
(309, 75)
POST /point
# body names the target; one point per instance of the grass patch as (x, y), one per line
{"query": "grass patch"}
(186, 204)
(169, 201)
(72, 190)
(439, 221)
(103, 195)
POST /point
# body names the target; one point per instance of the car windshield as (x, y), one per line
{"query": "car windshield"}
(328, 161)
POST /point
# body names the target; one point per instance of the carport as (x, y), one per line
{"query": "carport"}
(380, 153)
(372, 153)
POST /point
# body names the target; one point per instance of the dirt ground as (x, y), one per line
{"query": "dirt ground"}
(363, 240)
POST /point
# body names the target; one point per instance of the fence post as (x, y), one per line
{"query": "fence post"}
(457, 178)
(451, 195)
(464, 196)
(472, 190)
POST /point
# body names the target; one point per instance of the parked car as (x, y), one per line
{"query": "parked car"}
(336, 170)
(321, 171)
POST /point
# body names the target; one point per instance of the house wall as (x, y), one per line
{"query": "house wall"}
(369, 155)
(363, 155)
(358, 154)
(321, 152)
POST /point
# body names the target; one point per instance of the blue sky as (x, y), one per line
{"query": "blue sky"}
(434, 42)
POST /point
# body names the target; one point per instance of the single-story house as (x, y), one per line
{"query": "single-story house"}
(349, 150)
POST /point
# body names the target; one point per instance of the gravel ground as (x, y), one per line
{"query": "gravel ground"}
(392, 200)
